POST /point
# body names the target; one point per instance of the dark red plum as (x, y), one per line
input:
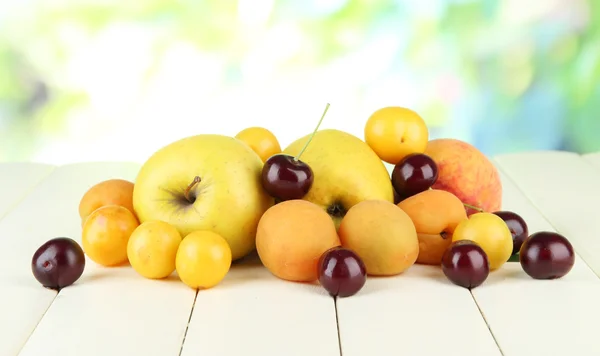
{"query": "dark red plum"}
(547, 255)
(58, 263)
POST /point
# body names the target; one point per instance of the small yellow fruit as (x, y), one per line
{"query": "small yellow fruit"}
(491, 233)
(261, 140)
(152, 249)
(105, 234)
(395, 132)
(203, 259)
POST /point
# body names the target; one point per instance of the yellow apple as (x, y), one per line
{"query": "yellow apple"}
(346, 171)
(204, 182)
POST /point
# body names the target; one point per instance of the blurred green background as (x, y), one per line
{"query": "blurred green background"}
(95, 80)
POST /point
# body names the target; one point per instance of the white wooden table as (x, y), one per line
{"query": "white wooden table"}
(114, 312)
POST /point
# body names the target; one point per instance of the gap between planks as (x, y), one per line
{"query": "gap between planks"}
(337, 324)
(187, 326)
(486, 323)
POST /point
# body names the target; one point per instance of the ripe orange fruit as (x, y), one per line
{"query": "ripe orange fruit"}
(152, 248)
(108, 192)
(382, 234)
(106, 233)
(261, 140)
(292, 236)
(203, 259)
(395, 132)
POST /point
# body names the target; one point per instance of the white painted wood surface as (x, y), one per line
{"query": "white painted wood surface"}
(593, 158)
(566, 190)
(21, 305)
(534, 317)
(254, 313)
(18, 179)
(109, 311)
(115, 311)
(416, 313)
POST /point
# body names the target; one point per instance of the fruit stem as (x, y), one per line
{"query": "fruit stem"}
(473, 207)
(186, 194)
(312, 135)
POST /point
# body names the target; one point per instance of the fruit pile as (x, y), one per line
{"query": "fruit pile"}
(323, 209)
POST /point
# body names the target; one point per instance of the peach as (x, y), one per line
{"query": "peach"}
(382, 235)
(108, 192)
(435, 214)
(466, 172)
(291, 237)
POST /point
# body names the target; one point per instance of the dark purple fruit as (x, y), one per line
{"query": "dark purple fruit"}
(465, 264)
(517, 226)
(341, 272)
(58, 263)
(414, 174)
(397, 197)
(546, 255)
(285, 178)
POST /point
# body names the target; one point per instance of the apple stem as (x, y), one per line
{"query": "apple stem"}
(313, 134)
(186, 194)
(473, 207)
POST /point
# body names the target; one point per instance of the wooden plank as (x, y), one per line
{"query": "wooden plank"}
(109, 311)
(17, 180)
(417, 313)
(593, 158)
(254, 313)
(536, 317)
(565, 189)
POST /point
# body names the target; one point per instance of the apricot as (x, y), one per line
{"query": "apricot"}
(106, 233)
(466, 172)
(382, 234)
(108, 192)
(435, 214)
(291, 237)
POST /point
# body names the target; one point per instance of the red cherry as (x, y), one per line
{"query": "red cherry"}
(341, 272)
(415, 173)
(285, 178)
(517, 226)
(465, 264)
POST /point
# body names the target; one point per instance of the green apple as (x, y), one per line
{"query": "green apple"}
(346, 171)
(204, 182)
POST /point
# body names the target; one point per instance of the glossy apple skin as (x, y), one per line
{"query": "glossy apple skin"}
(58, 263)
(341, 272)
(547, 255)
(285, 178)
(465, 264)
(517, 226)
(415, 173)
